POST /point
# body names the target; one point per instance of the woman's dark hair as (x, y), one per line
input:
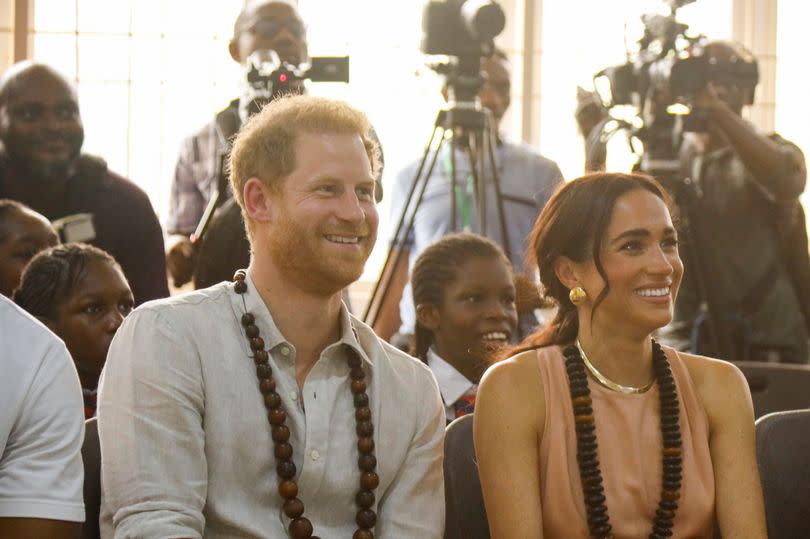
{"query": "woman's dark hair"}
(437, 267)
(52, 275)
(573, 224)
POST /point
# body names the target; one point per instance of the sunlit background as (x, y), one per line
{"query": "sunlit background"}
(150, 72)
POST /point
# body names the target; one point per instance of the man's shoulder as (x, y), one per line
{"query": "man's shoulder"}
(93, 170)
(187, 309)
(382, 354)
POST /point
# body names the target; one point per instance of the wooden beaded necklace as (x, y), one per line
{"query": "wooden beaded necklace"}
(300, 527)
(589, 471)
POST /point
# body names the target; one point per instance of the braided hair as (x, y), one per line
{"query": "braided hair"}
(573, 224)
(52, 276)
(436, 268)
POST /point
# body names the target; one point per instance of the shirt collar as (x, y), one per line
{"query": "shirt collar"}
(452, 383)
(273, 338)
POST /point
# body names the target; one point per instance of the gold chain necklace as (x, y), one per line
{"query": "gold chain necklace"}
(607, 382)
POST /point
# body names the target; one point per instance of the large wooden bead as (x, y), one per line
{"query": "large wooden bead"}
(285, 469)
(300, 528)
(267, 385)
(248, 319)
(277, 416)
(363, 414)
(263, 371)
(272, 401)
(283, 451)
(257, 343)
(367, 463)
(281, 433)
(240, 287)
(358, 386)
(360, 400)
(364, 499)
(366, 518)
(365, 445)
(260, 356)
(357, 374)
(354, 360)
(365, 428)
(363, 534)
(293, 508)
(369, 480)
(288, 489)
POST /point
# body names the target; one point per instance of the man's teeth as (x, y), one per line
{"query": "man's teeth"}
(653, 292)
(495, 336)
(343, 239)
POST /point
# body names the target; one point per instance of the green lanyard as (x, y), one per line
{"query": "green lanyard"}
(463, 195)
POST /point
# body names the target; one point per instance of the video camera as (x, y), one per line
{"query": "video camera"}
(671, 68)
(267, 77)
(464, 30)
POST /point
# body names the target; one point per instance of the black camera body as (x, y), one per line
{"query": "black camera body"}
(267, 77)
(464, 30)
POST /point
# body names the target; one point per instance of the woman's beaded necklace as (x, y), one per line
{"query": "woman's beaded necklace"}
(589, 471)
(300, 527)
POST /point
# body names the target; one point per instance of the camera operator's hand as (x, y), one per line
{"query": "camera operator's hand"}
(180, 259)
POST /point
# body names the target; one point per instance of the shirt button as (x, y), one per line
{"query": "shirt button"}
(285, 351)
(294, 395)
(315, 455)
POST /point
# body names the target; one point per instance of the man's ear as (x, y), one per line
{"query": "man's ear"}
(427, 316)
(567, 271)
(258, 199)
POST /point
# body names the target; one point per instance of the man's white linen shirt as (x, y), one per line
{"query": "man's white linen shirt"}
(187, 449)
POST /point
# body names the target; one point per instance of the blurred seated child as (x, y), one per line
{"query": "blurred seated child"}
(23, 233)
(81, 294)
(464, 294)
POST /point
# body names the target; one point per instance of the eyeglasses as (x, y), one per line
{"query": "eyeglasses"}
(269, 28)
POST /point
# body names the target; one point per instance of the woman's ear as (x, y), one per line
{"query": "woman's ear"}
(567, 271)
(427, 316)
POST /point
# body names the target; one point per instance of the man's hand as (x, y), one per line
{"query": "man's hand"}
(180, 259)
(708, 99)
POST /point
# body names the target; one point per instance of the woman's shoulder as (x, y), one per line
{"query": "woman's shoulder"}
(720, 384)
(519, 373)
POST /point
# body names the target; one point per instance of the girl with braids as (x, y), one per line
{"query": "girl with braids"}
(464, 294)
(592, 429)
(81, 294)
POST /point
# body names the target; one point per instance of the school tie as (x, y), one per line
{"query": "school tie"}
(465, 405)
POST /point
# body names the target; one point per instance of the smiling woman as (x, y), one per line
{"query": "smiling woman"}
(592, 428)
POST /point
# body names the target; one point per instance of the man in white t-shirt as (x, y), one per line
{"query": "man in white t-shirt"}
(41, 431)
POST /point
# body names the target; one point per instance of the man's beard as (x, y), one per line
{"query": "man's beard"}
(296, 252)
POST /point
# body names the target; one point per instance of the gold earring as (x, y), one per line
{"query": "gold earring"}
(577, 295)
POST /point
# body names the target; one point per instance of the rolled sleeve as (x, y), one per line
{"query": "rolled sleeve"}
(151, 405)
(41, 471)
(414, 505)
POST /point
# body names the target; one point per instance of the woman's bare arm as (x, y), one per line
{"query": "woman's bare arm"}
(509, 416)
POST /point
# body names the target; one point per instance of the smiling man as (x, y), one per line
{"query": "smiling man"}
(41, 165)
(262, 408)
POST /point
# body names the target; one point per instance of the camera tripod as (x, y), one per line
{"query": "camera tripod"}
(468, 127)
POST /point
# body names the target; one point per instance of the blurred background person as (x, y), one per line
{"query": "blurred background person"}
(23, 233)
(263, 25)
(527, 180)
(41, 165)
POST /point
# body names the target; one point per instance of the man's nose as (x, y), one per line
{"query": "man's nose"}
(350, 208)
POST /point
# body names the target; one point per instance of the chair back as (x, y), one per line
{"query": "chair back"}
(466, 516)
(783, 454)
(91, 455)
(777, 387)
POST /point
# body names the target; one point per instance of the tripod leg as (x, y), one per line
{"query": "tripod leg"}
(395, 254)
(496, 182)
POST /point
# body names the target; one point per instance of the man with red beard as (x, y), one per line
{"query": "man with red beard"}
(42, 166)
(262, 408)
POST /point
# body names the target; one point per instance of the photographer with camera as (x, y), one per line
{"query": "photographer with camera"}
(264, 25)
(744, 185)
(526, 181)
